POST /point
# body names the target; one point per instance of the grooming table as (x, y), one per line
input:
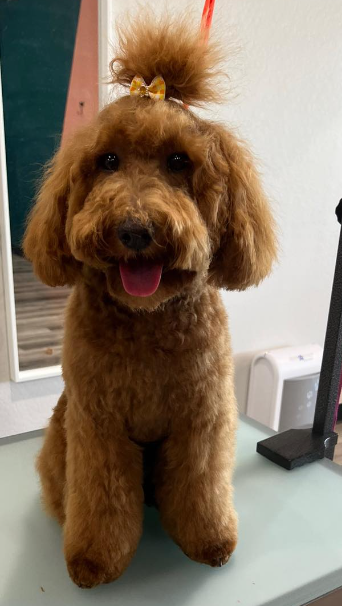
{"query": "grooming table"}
(289, 552)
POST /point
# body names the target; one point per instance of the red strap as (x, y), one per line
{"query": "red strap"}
(207, 17)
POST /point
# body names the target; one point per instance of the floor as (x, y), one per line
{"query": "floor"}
(39, 314)
(338, 449)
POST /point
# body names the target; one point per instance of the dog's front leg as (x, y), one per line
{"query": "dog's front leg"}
(194, 492)
(104, 503)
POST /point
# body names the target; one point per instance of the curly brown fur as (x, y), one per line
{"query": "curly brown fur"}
(140, 369)
(152, 46)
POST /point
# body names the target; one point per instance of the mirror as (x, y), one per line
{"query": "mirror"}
(50, 87)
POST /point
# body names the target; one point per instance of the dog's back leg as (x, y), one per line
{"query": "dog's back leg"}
(51, 462)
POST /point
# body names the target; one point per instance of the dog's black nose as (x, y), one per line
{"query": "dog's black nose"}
(134, 235)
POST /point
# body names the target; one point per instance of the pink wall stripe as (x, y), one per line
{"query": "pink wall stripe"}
(82, 100)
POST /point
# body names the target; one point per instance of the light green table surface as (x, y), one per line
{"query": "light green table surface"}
(289, 552)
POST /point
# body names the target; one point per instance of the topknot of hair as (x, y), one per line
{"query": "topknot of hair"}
(173, 48)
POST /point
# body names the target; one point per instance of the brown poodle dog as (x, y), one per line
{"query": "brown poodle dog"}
(148, 211)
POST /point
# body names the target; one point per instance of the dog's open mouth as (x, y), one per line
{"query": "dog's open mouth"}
(140, 277)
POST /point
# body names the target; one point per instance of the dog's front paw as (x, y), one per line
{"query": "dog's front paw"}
(87, 573)
(215, 553)
(216, 547)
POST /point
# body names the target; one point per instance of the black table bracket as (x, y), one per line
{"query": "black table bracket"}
(297, 447)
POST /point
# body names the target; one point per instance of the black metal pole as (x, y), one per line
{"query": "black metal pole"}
(297, 447)
(332, 357)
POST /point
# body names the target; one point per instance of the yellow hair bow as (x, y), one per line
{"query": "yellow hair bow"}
(156, 90)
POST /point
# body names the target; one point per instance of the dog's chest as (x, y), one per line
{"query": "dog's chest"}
(146, 371)
(141, 385)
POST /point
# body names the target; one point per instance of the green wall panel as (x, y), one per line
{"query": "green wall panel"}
(36, 46)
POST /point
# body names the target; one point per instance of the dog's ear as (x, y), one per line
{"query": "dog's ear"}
(244, 243)
(45, 242)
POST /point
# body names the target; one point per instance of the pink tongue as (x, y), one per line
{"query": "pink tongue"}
(140, 278)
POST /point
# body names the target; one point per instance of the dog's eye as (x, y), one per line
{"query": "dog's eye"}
(109, 162)
(178, 162)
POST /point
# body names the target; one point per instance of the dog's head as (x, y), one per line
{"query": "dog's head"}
(156, 199)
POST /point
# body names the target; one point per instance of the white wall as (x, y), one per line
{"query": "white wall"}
(290, 109)
(288, 82)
